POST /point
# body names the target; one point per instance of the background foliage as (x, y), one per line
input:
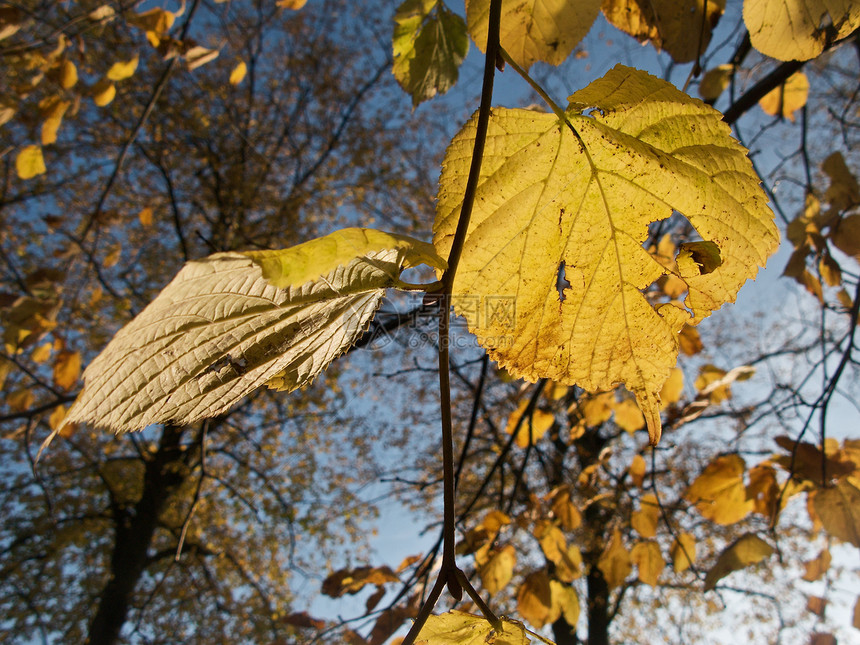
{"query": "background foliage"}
(136, 137)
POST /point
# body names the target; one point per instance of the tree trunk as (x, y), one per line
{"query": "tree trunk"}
(135, 528)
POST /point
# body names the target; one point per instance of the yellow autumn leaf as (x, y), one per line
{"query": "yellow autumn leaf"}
(744, 552)
(649, 561)
(597, 408)
(534, 599)
(459, 628)
(843, 191)
(798, 29)
(786, 99)
(67, 369)
(615, 562)
(645, 520)
(689, 341)
(576, 196)
(846, 236)
(565, 603)
(120, 71)
(103, 92)
(497, 572)
(68, 75)
(672, 389)
(838, 507)
(719, 492)
(41, 353)
(295, 5)
(20, 400)
(566, 511)
(715, 81)
(534, 30)
(53, 120)
(680, 27)
(238, 73)
(155, 22)
(683, 552)
(637, 470)
(145, 217)
(628, 416)
(532, 428)
(198, 56)
(709, 374)
(30, 162)
(817, 567)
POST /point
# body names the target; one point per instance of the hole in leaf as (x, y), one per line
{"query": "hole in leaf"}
(561, 282)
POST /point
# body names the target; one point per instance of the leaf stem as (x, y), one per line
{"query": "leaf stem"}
(534, 85)
(449, 575)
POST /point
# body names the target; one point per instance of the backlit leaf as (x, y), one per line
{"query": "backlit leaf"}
(351, 581)
(497, 572)
(719, 492)
(145, 216)
(786, 99)
(644, 521)
(122, 70)
(565, 603)
(637, 470)
(238, 73)
(53, 120)
(797, 29)
(615, 562)
(846, 236)
(103, 92)
(533, 30)
(566, 511)
(225, 326)
(458, 628)
(30, 162)
(430, 43)
(843, 191)
(534, 599)
(714, 82)
(198, 56)
(532, 428)
(294, 5)
(577, 196)
(67, 369)
(817, 567)
(68, 75)
(628, 416)
(649, 561)
(680, 27)
(839, 510)
(683, 552)
(746, 551)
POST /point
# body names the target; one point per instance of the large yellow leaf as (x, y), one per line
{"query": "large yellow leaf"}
(30, 162)
(122, 70)
(458, 628)
(797, 29)
(574, 197)
(681, 27)
(746, 551)
(429, 44)
(225, 326)
(719, 492)
(533, 30)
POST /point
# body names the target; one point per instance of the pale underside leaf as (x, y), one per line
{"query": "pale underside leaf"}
(534, 30)
(220, 330)
(798, 29)
(577, 198)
